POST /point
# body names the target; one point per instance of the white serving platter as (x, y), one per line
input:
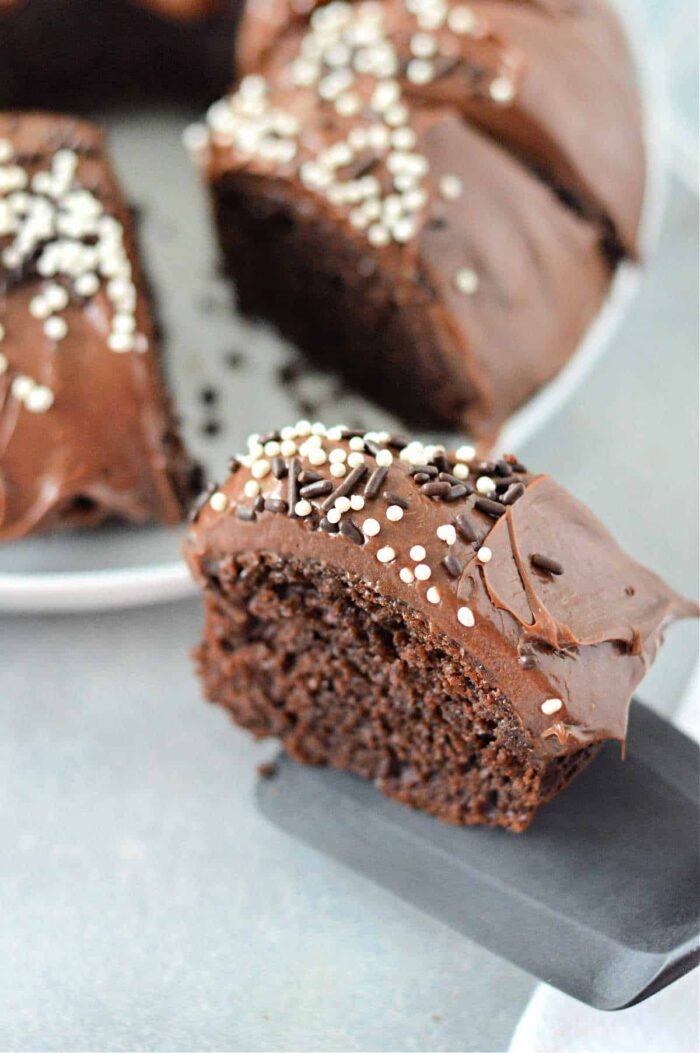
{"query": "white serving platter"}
(209, 345)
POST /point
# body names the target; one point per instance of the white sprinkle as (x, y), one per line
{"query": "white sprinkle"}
(355, 459)
(417, 553)
(551, 706)
(302, 508)
(4, 364)
(333, 515)
(6, 151)
(403, 139)
(302, 428)
(219, 501)
(2, 331)
(343, 504)
(338, 455)
(357, 502)
(394, 513)
(120, 342)
(55, 328)
(466, 617)
(370, 527)
(39, 308)
(195, 137)
(386, 554)
(384, 458)
(485, 485)
(502, 90)
(432, 595)
(451, 187)
(423, 572)
(87, 284)
(461, 19)
(423, 45)
(447, 533)
(317, 457)
(338, 470)
(21, 386)
(288, 448)
(259, 469)
(378, 235)
(251, 488)
(357, 443)
(420, 71)
(460, 471)
(407, 575)
(484, 554)
(272, 448)
(348, 104)
(466, 281)
(465, 453)
(56, 297)
(39, 399)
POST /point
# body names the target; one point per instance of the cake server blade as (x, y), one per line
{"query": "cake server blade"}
(600, 897)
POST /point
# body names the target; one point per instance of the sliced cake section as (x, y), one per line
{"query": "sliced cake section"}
(446, 187)
(464, 633)
(86, 428)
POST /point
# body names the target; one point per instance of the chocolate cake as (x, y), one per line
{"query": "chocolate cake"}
(464, 633)
(86, 429)
(447, 187)
(71, 54)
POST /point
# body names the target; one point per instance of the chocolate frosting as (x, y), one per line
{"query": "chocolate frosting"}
(567, 646)
(86, 430)
(575, 113)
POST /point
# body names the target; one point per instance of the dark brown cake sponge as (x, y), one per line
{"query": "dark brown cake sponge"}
(464, 633)
(86, 428)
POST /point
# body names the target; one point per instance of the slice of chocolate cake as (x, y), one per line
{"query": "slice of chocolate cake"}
(86, 428)
(446, 186)
(464, 633)
(74, 54)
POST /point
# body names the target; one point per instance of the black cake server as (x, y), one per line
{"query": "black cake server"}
(599, 897)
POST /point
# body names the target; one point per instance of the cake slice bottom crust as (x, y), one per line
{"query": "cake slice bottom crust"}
(345, 677)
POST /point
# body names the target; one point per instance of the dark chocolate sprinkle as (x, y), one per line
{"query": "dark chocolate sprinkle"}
(426, 469)
(293, 486)
(259, 503)
(395, 499)
(465, 527)
(351, 531)
(346, 487)
(275, 504)
(514, 491)
(327, 527)
(208, 396)
(460, 490)
(553, 566)
(503, 468)
(527, 661)
(271, 436)
(489, 507)
(452, 565)
(484, 468)
(375, 483)
(447, 477)
(397, 442)
(441, 462)
(279, 467)
(318, 489)
(233, 464)
(245, 513)
(373, 447)
(421, 478)
(435, 489)
(503, 482)
(307, 476)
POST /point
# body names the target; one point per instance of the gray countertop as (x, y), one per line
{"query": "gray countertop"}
(144, 902)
